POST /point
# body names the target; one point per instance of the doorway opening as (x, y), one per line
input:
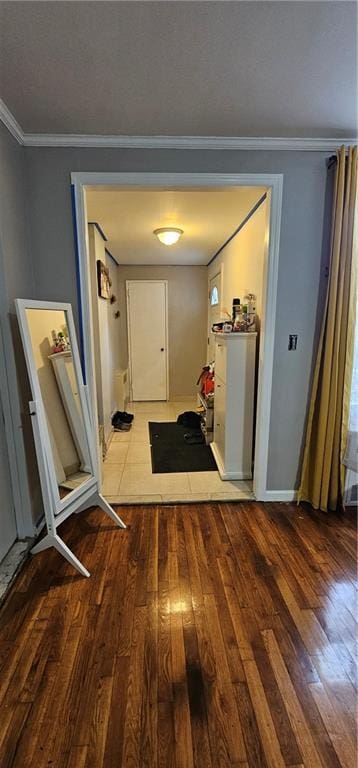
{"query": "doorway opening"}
(171, 302)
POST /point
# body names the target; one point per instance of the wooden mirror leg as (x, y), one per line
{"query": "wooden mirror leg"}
(51, 540)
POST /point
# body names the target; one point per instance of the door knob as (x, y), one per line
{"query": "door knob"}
(162, 349)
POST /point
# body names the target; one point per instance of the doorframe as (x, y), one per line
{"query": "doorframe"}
(274, 185)
(208, 322)
(165, 282)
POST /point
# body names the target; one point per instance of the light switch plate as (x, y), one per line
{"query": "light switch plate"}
(292, 342)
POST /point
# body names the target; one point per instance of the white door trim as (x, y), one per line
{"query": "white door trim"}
(210, 279)
(165, 283)
(274, 183)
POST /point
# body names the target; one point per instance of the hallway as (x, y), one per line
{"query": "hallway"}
(127, 469)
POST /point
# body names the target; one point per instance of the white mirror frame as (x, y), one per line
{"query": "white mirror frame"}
(88, 494)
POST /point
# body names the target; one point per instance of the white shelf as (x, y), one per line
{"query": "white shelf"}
(207, 418)
(204, 402)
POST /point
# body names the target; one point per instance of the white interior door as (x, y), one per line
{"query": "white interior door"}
(8, 532)
(147, 309)
(214, 312)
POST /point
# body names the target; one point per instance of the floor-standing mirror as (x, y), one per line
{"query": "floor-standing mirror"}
(62, 422)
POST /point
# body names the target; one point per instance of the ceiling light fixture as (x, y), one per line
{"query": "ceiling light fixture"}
(168, 235)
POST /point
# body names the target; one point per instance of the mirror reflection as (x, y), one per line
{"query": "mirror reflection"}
(59, 388)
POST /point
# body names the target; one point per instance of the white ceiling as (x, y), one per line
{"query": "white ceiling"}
(181, 68)
(208, 217)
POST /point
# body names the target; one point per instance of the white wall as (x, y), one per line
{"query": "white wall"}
(113, 332)
(106, 331)
(242, 262)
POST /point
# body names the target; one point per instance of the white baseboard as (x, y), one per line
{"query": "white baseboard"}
(182, 398)
(221, 469)
(277, 496)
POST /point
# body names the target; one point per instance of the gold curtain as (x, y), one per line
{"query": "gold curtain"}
(323, 474)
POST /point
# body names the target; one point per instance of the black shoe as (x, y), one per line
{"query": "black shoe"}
(120, 425)
(125, 418)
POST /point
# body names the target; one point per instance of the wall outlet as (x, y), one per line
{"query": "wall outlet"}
(292, 341)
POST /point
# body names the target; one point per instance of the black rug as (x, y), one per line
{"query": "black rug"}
(171, 453)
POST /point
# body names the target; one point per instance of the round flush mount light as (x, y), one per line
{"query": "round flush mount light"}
(168, 235)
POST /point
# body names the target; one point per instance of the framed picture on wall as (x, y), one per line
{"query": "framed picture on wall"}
(104, 280)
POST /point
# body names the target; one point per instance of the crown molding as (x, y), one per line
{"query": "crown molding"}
(11, 124)
(112, 257)
(279, 144)
(187, 142)
(99, 230)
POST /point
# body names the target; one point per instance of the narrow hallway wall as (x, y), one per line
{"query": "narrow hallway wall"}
(106, 331)
(242, 262)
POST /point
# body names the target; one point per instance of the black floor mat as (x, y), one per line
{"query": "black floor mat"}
(171, 453)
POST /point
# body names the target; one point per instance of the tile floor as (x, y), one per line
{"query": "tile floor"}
(127, 469)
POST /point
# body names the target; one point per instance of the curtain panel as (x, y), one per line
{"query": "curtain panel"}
(323, 471)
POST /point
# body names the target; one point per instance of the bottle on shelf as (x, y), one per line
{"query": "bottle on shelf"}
(238, 317)
(250, 312)
(235, 306)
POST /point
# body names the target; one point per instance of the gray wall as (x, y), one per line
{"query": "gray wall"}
(300, 269)
(187, 321)
(16, 280)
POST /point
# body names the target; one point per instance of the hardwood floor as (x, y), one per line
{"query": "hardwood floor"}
(208, 636)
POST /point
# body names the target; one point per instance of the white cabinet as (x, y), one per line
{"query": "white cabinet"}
(220, 359)
(235, 355)
(219, 416)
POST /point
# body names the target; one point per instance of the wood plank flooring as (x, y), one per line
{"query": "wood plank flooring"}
(208, 636)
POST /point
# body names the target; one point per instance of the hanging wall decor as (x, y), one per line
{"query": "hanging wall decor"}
(104, 280)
